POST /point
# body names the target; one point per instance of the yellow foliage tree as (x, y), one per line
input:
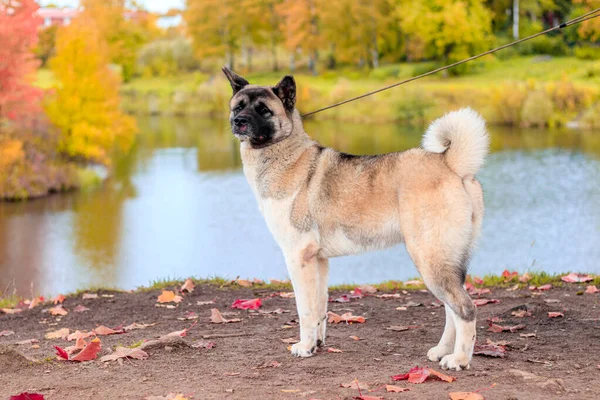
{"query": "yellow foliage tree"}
(300, 25)
(589, 30)
(85, 106)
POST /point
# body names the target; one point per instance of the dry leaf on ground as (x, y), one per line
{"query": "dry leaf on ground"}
(414, 282)
(521, 313)
(395, 389)
(286, 295)
(368, 289)
(89, 296)
(244, 283)
(59, 299)
(482, 302)
(135, 326)
(591, 289)
(103, 331)
(7, 333)
(58, 310)
(27, 341)
(59, 334)
(347, 317)
(555, 314)
(465, 396)
(181, 333)
(124, 352)
(188, 286)
(545, 287)
(80, 308)
(576, 278)
(525, 277)
(203, 344)
(500, 328)
(509, 276)
(333, 350)
(79, 334)
(217, 318)
(168, 296)
(491, 350)
(420, 375)
(89, 352)
(290, 340)
(35, 302)
(10, 310)
(528, 335)
(402, 328)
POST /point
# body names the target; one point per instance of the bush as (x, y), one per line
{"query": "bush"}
(507, 102)
(587, 53)
(568, 97)
(591, 117)
(537, 109)
(553, 46)
(166, 57)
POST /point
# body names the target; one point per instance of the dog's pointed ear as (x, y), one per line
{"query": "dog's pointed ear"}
(286, 91)
(236, 81)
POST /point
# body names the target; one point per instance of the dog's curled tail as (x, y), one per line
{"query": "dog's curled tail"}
(462, 137)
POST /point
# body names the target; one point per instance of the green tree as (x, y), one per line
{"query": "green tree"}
(46, 42)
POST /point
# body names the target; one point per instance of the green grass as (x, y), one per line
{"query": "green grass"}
(9, 301)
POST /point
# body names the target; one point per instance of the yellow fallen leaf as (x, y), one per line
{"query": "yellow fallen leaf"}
(59, 334)
(188, 286)
(168, 296)
(59, 299)
(58, 310)
(395, 389)
(244, 283)
(465, 396)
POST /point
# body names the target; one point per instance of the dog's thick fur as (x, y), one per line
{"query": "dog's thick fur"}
(320, 203)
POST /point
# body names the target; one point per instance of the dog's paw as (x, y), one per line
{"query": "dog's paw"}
(455, 362)
(303, 350)
(438, 352)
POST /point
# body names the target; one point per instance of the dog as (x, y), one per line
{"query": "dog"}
(320, 203)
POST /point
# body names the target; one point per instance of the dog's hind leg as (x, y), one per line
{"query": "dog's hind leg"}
(303, 267)
(323, 300)
(446, 344)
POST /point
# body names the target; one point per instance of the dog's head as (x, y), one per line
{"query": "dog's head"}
(261, 115)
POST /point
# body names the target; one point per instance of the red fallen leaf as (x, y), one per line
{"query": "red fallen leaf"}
(27, 396)
(465, 396)
(59, 299)
(61, 353)
(576, 278)
(103, 331)
(168, 296)
(81, 308)
(217, 318)
(333, 350)
(491, 350)
(478, 281)
(395, 389)
(342, 299)
(525, 277)
(89, 352)
(592, 289)
(547, 286)
(35, 302)
(356, 293)
(188, 286)
(347, 317)
(420, 375)
(482, 302)
(499, 328)
(554, 314)
(509, 276)
(242, 304)
(58, 310)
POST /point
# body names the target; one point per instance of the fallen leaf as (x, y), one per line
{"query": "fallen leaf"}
(365, 397)
(188, 315)
(521, 313)
(547, 286)
(169, 306)
(355, 384)
(290, 390)
(79, 345)
(35, 302)
(412, 304)
(347, 317)
(465, 396)
(242, 304)
(342, 299)
(500, 328)
(401, 308)
(217, 318)
(498, 343)
(61, 353)
(169, 296)
(513, 288)
(286, 295)
(202, 344)
(592, 289)
(333, 350)
(28, 341)
(188, 286)
(495, 319)
(395, 389)
(124, 352)
(181, 333)
(275, 311)
(368, 289)
(244, 283)
(58, 310)
(389, 296)
(7, 333)
(478, 281)
(414, 282)
(525, 277)
(135, 326)
(290, 340)
(279, 282)
(89, 352)
(108, 296)
(354, 337)
(509, 276)
(420, 375)
(482, 302)
(555, 314)
(576, 278)
(103, 331)
(272, 364)
(204, 303)
(402, 328)
(528, 335)
(27, 396)
(59, 334)
(89, 296)
(79, 334)
(59, 299)
(490, 350)
(80, 309)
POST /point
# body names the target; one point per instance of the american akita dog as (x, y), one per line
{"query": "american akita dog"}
(320, 203)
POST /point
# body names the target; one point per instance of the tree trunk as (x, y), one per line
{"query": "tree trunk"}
(274, 55)
(515, 13)
(249, 58)
(375, 54)
(229, 59)
(292, 63)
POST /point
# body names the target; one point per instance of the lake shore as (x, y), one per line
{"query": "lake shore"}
(547, 358)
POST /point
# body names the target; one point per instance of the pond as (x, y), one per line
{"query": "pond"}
(179, 206)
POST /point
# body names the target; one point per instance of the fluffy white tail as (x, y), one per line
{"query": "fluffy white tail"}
(462, 137)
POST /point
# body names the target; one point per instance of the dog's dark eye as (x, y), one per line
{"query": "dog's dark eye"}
(238, 108)
(263, 110)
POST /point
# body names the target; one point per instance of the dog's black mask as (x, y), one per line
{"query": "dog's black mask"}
(252, 119)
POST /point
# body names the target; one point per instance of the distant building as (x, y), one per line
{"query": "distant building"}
(57, 16)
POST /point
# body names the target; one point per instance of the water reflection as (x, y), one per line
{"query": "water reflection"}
(178, 205)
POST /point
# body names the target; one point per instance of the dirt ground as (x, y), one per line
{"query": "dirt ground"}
(562, 361)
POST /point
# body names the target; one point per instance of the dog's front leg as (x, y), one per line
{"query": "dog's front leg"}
(304, 272)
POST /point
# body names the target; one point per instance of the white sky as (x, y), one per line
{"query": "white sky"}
(151, 5)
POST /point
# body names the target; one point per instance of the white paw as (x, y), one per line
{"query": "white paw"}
(303, 349)
(438, 352)
(455, 362)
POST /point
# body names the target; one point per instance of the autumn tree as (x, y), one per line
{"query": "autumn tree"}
(589, 30)
(85, 106)
(449, 30)
(18, 36)
(300, 27)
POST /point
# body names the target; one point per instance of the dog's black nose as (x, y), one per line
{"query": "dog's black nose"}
(239, 121)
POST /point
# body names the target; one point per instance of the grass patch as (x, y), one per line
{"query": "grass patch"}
(9, 301)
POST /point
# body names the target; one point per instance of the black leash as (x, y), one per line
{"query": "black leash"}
(592, 14)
